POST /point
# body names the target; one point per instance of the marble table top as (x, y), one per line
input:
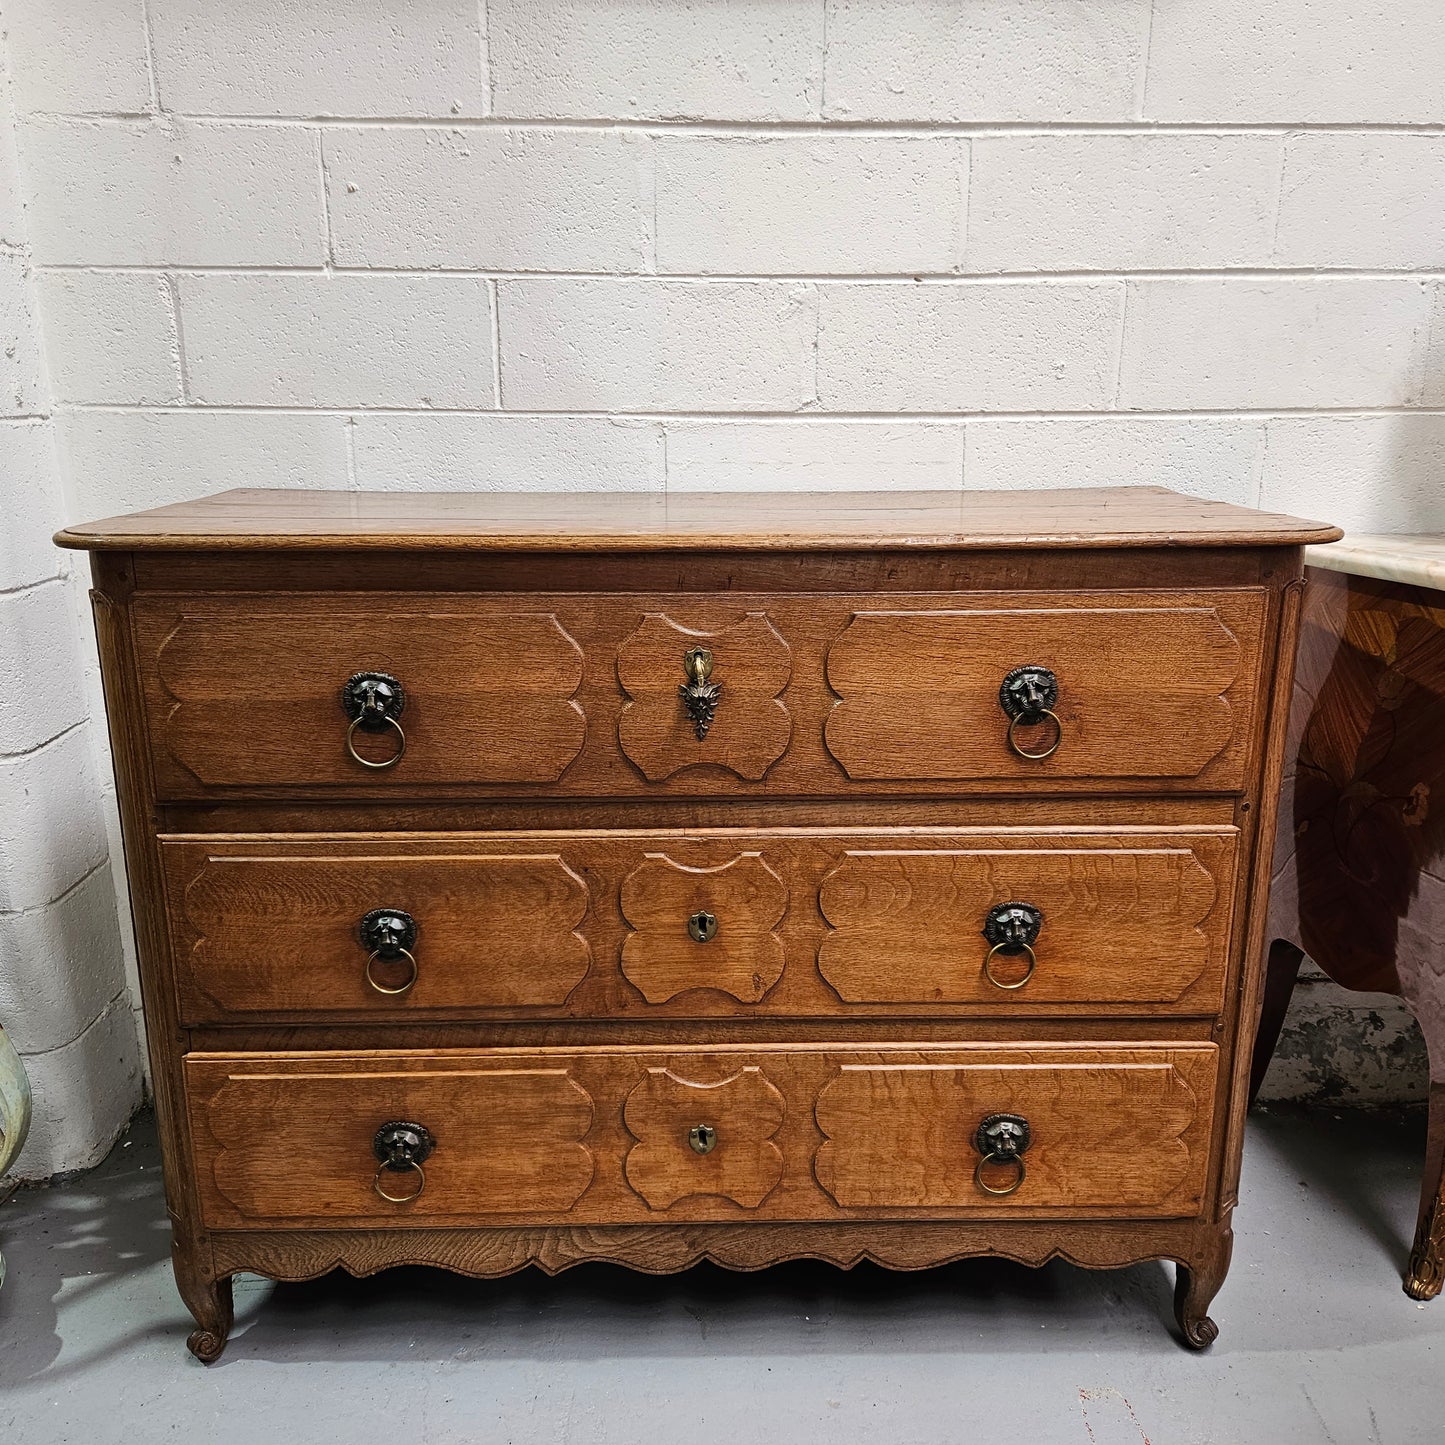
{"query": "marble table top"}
(1417, 558)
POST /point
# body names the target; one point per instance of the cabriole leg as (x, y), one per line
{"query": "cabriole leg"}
(1198, 1282)
(209, 1300)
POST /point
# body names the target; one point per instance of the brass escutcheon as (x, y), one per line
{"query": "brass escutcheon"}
(702, 1138)
(702, 927)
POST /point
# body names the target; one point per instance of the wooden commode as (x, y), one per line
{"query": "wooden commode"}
(538, 879)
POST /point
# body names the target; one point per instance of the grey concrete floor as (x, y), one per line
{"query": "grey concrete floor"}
(1318, 1343)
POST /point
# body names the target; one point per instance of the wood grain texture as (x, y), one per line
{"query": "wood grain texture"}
(520, 694)
(1108, 1128)
(293, 1139)
(745, 1110)
(751, 728)
(286, 1138)
(576, 521)
(744, 958)
(1360, 863)
(277, 929)
(1142, 690)
(1126, 924)
(513, 663)
(812, 923)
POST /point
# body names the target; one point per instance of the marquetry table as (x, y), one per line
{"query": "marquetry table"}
(1359, 880)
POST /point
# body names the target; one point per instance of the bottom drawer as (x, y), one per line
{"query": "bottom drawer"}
(623, 1136)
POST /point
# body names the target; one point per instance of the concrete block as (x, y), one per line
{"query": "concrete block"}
(1365, 473)
(1375, 200)
(585, 345)
(12, 203)
(1121, 202)
(923, 60)
(110, 337)
(51, 832)
(60, 965)
(813, 455)
(340, 340)
(507, 453)
(1279, 342)
(1207, 456)
(1296, 60)
(39, 662)
(500, 200)
(30, 504)
(124, 461)
(810, 204)
(968, 347)
(745, 60)
(23, 391)
(319, 58)
(159, 193)
(83, 1096)
(77, 58)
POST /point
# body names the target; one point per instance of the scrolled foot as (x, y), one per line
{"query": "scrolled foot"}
(210, 1302)
(1197, 1283)
(206, 1345)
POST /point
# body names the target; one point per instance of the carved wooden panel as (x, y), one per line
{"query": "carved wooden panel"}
(249, 695)
(745, 898)
(1110, 1127)
(751, 727)
(742, 1163)
(1141, 692)
(267, 929)
(291, 1138)
(1121, 924)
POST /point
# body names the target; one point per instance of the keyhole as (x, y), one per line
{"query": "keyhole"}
(702, 1138)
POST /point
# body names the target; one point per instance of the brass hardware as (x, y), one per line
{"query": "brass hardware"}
(1028, 695)
(1001, 1139)
(389, 934)
(699, 696)
(374, 701)
(402, 1147)
(702, 1138)
(702, 927)
(1011, 929)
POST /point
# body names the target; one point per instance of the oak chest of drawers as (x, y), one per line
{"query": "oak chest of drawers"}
(540, 879)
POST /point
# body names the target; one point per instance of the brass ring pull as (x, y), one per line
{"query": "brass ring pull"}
(410, 957)
(1028, 720)
(1011, 1188)
(997, 982)
(400, 1198)
(390, 762)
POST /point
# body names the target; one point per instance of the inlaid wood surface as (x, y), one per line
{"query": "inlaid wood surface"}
(1086, 518)
(577, 696)
(811, 923)
(807, 1132)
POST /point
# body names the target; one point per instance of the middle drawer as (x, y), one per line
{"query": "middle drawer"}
(793, 923)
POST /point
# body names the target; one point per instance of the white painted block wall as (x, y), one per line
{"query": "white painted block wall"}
(64, 999)
(690, 244)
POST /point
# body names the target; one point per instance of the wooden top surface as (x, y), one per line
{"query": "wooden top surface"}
(731, 521)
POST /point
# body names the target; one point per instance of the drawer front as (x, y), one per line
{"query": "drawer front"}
(797, 923)
(589, 1136)
(408, 695)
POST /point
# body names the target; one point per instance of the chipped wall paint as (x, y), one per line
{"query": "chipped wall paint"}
(1344, 1048)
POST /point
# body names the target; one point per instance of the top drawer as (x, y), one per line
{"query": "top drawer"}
(594, 695)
